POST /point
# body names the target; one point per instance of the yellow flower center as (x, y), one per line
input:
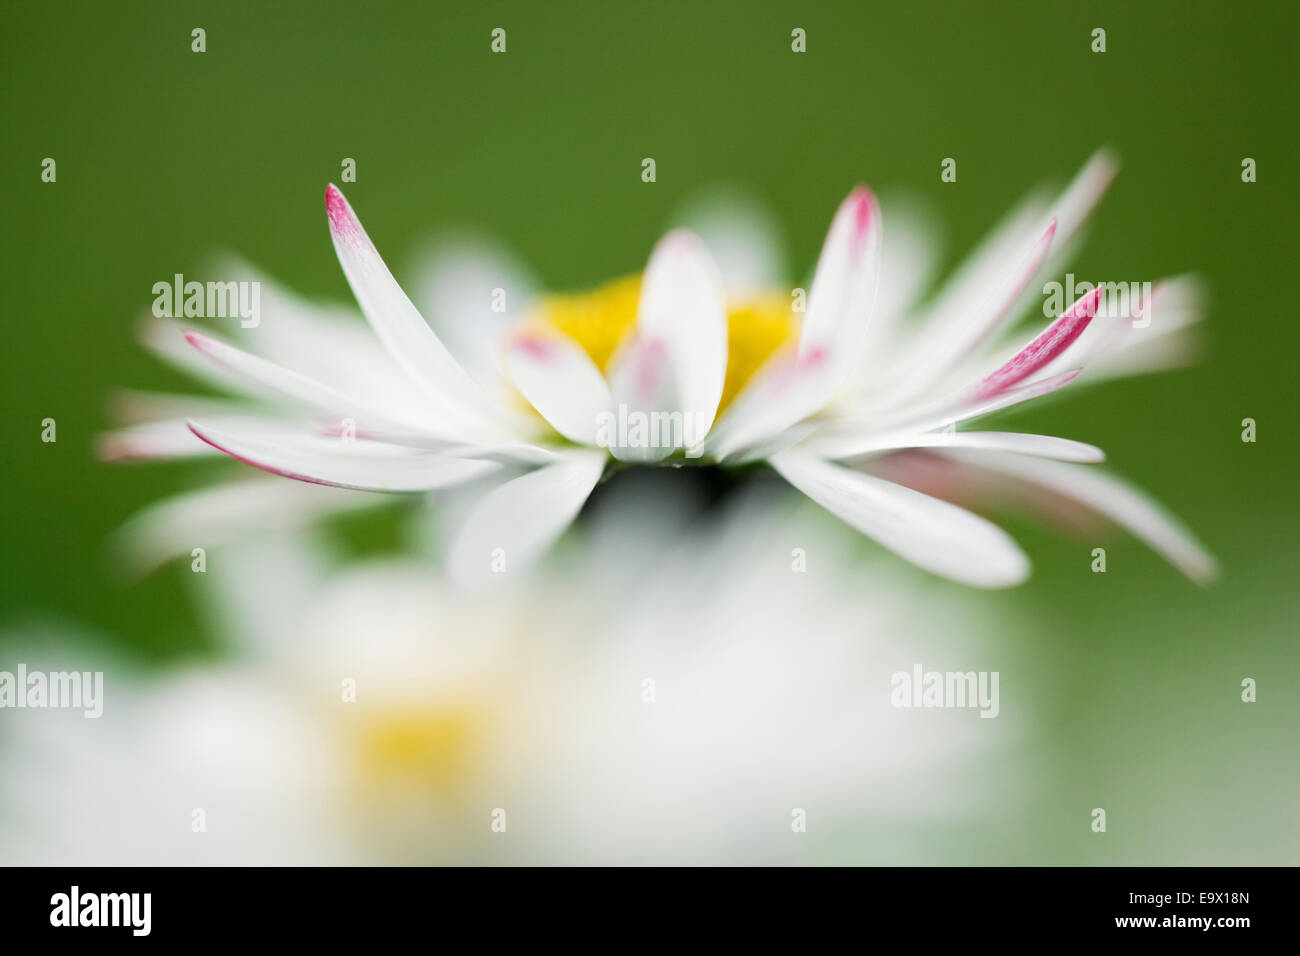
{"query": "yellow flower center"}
(418, 770)
(599, 320)
(435, 743)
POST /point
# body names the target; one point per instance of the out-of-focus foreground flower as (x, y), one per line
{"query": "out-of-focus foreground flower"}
(695, 363)
(721, 693)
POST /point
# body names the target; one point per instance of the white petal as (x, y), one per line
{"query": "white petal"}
(227, 513)
(1144, 356)
(1043, 446)
(523, 517)
(790, 388)
(332, 345)
(1018, 231)
(561, 381)
(1124, 504)
(774, 445)
(908, 255)
(278, 382)
(959, 326)
(167, 439)
(844, 286)
(511, 453)
(933, 534)
(781, 394)
(1077, 201)
(641, 381)
(165, 338)
(396, 321)
(965, 405)
(1162, 335)
(272, 379)
(1071, 209)
(154, 424)
(327, 343)
(363, 465)
(997, 282)
(508, 453)
(844, 437)
(682, 307)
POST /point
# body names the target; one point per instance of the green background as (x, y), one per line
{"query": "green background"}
(165, 155)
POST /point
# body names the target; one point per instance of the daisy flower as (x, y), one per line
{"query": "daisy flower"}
(687, 364)
(369, 713)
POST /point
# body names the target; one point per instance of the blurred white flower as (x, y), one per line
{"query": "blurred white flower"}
(720, 693)
(693, 363)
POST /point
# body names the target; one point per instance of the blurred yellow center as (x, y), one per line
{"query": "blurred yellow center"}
(599, 320)
(435, 743)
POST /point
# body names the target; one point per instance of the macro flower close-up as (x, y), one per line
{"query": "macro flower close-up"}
(697, 435)
(666, 367)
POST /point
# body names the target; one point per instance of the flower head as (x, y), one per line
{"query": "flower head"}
(673, 366)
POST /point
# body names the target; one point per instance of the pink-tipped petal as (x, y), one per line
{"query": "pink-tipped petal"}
(1052, 342)
(845, 280)
(953, 332)
(972, 305)
(361, 465)
(342, 220)
(831, 341)
(400, 327)
(649, 370)
(166, 339)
